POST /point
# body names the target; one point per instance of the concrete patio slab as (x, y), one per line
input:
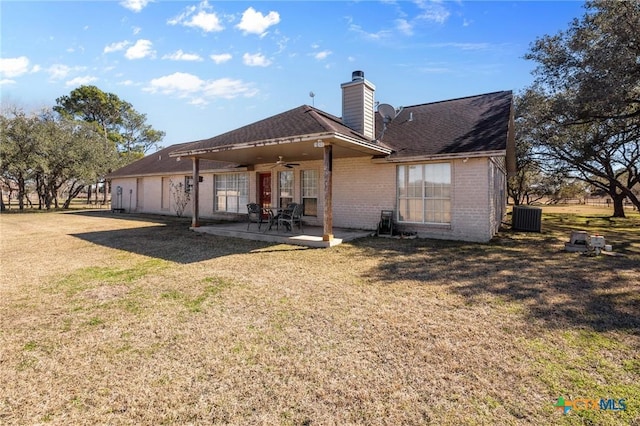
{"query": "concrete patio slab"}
(310, 237)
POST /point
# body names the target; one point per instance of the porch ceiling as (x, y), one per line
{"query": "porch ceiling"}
(291, 149)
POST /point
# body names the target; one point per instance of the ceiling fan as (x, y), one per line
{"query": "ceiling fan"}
(283, 163)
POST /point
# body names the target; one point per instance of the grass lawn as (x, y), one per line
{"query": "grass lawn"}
(120, 319)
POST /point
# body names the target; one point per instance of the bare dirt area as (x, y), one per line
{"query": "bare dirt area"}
(122, 319)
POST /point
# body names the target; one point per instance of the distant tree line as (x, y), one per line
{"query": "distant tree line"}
(580, 120)
(70, 147)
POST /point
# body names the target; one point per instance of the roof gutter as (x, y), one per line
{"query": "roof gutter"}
(175, 173)
(280, 141)
(368, 145)
(453, 156)
(252, 144)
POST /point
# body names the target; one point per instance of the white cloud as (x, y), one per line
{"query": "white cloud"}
(208, 22)
(7, 81)
(179, 55)
(134, 5)
(228, 88)
(141, 49)
(136, 30)
(254, 22)
(255, 60)
(433, 11)
(61, 71)
(322, 55)
(179, 19)
(14, 67)
(177, 83)
(203, 19)
(221, 58)
(404, 26)
(189, 86)
(382, 34)
(282, 44)
(198, 102)
(435, 70)
(114, 47)
(58, 71)
(80, 81)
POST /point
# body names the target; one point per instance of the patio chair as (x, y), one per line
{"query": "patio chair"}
(385, 226)
(256, 214)
(290, 216)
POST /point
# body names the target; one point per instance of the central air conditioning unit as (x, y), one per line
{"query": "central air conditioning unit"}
(525, 218)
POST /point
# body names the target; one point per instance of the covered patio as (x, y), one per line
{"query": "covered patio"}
(300, 135)
(310, 237)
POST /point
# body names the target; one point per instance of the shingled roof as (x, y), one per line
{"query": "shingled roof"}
(301, 121)
(473, 124)
(466, 125)
(160, 163)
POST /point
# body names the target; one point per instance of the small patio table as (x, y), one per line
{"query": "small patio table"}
(273, 218)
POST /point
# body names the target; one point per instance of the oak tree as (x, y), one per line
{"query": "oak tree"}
(585, 100)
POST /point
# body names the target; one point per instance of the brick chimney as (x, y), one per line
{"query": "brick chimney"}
(358, 104)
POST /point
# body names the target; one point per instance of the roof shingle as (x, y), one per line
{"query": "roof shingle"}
(160, 163)
(300, 121)
(472, 124)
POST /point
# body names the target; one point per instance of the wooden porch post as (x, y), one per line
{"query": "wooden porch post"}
(328, 211)
(195, 193)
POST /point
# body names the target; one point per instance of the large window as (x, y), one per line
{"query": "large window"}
(231, 192)
(285, 187)
(424, 193)
(310, 192)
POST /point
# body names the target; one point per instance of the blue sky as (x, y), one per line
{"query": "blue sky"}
(198, 69)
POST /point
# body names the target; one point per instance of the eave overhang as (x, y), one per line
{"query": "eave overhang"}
(294, 148)
(178, 172)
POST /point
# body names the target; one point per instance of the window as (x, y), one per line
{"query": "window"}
(424, 193)
(310, 192)
(188, 184)
(230, 192)
(285, 187)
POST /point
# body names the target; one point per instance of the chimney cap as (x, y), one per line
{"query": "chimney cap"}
(357, 75)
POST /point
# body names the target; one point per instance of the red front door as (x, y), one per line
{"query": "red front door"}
(264, 189)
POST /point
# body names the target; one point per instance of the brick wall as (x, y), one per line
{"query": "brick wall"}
(361, 189)
(471, 207)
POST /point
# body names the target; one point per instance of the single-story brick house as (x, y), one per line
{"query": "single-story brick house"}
(441, 166)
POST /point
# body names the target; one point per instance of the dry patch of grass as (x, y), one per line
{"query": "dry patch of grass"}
(125, 320)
